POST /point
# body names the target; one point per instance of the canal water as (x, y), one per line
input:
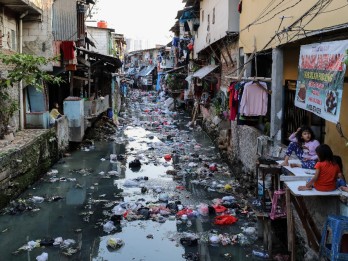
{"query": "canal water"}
(80, 192)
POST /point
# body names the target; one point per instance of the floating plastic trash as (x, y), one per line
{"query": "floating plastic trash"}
(225, 220)
(115, 243)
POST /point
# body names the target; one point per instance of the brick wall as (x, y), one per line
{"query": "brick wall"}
(100, 38)
(38, 37)
(9, 30)
(12, 91)
(227, 69)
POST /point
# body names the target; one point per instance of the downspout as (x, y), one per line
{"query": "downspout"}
(20, 86)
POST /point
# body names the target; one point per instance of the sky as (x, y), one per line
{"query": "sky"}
(148, 20)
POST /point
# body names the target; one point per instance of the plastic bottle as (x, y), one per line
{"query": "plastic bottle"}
(261, 254)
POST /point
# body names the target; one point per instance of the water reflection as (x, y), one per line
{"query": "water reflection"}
(89, 191)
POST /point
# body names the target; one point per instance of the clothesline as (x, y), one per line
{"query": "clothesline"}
(254, 79)
(250, 78)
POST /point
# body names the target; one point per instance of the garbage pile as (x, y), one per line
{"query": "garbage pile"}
(102, 129)
(154, 137)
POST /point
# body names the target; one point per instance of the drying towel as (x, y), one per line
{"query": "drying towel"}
(68, 48)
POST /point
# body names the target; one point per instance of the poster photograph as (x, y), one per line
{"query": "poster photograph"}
(320, 80)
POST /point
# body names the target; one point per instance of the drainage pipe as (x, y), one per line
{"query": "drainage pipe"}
(20, 85)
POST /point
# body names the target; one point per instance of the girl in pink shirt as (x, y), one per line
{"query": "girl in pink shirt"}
(303, 143)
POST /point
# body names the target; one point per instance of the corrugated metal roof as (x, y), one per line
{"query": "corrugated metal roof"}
(64, 20)
(201, 73)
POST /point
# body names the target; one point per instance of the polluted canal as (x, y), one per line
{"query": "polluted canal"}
(155, 190)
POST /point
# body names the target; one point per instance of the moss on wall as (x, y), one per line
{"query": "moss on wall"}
(25, 166)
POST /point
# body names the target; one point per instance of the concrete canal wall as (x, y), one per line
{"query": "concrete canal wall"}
(25, 160)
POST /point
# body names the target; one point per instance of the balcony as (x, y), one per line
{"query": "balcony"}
(31, 7)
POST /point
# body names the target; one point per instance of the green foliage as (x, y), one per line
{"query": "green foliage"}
(220, 103)
(176, 82)
(21, 67)
(27, 68)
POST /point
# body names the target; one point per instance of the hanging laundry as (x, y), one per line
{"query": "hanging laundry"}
(187, 27)
(254, 99)
(233, 101)
(175, 41)
(68, 48)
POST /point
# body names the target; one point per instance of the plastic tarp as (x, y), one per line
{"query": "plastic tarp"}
(225, 220)
(187, 15)
(159, 77)
(131, 71)
(146, 71)
(188, 78)
(204, 71)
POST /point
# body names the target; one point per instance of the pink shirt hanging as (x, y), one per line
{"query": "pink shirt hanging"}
(254, 100)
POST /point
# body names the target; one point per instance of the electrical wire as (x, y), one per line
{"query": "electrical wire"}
(255, 22)
(284, 31)
(338, 8)
(261, 15)
(323, 5)
(279, 12)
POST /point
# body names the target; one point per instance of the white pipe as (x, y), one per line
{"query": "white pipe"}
(20, 85)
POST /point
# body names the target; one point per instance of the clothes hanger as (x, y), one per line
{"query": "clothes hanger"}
(263, 87)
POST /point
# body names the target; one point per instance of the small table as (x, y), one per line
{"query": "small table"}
(275, 171)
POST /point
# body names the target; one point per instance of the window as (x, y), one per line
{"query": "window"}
(13, 40)
(213, 22)
(208, 27)
(202, 15)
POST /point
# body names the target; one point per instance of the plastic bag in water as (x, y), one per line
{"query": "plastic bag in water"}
(42, 257)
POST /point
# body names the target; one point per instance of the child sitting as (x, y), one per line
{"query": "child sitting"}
(340, 179)
(326, 173)
(303, 143)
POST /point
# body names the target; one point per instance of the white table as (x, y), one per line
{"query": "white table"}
(293, 186)
(298, 173)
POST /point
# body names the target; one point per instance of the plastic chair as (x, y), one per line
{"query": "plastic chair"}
(334, 238)
(278, 205)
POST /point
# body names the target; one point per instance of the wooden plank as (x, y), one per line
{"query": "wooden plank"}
(89, 82)
(72, 83)
(228, 52)
(83, 61)
(310, 234)
(309, 219)
(82, 78)
(215, 54)
(223, 56)
(267, 236)
(289, 220)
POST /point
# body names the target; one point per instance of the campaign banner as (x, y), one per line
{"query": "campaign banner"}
(320, 80)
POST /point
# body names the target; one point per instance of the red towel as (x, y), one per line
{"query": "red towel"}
(68, 48)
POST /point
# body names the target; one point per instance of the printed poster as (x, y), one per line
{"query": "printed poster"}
(320, 79)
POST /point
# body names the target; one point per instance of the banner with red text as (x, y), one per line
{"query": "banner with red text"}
(320, 78)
